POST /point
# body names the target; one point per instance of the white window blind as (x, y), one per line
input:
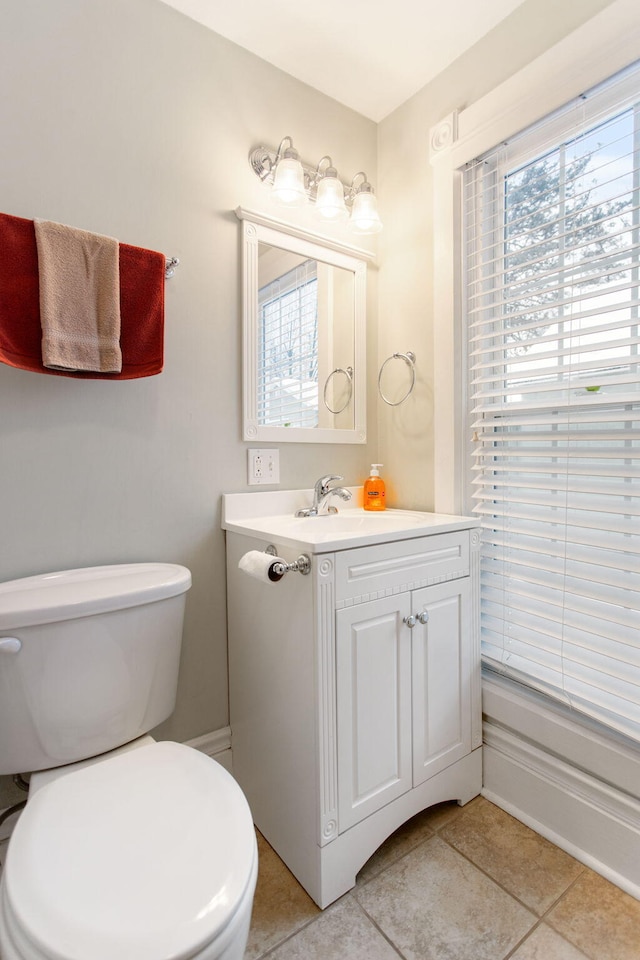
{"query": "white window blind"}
(552, 262)
(288, 349)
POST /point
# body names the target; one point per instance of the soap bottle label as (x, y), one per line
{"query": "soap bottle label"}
(374, 494)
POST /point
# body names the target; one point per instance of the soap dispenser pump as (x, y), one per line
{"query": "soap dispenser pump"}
(374, 489)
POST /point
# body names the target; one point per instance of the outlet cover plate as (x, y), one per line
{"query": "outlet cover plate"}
(263, 466)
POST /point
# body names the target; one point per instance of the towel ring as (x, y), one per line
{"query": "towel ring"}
(349, 375)
(410, 359)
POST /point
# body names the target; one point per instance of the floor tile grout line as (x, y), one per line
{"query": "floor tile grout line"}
(395, 947)
(290, 936)
(564, 892)
(276, 946)
(280, 943)
(541, 923)
(509, 892)
(349, 893)
(539, 919)
(501, 886)
(305, 925)
(555, 904)
(524, 939)
(434, 832)
(391, 863)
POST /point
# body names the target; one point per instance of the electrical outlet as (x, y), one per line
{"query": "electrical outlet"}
(264, 466)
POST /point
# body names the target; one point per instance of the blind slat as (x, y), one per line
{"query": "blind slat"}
(589, 538)
(542, 275)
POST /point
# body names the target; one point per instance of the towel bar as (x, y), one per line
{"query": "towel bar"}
(170, 267)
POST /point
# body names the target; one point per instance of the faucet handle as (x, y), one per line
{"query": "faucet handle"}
(323, 483)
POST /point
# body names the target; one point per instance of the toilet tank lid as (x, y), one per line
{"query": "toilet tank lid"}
(69, 594)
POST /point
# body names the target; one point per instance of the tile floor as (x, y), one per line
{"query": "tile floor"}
(454, 883)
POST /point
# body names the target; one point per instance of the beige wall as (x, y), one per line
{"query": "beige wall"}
(406, 317)
(128, 119)
(131, 120)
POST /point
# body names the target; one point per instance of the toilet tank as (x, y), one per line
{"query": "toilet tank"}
(88, 660)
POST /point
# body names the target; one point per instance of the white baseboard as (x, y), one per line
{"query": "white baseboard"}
(596, 822)
(217, 745)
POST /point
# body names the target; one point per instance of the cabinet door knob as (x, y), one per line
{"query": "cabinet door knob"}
(423, 617)
(410, 620)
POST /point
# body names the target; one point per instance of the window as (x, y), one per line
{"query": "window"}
(288, 348)
(552, 235)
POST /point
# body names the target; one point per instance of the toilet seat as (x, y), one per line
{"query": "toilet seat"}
(144, 856)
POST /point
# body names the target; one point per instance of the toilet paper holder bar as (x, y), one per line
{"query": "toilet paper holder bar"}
(301, 565)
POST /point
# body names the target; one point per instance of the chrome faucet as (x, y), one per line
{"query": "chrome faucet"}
(322, 493)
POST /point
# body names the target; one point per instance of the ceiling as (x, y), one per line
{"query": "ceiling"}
(370, 55)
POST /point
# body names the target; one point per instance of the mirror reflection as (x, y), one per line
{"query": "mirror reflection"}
(304, 337)
(305, 341)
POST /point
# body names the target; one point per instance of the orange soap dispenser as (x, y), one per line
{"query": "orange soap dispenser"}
(374, 491)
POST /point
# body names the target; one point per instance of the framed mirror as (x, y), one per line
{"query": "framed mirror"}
(304, 336)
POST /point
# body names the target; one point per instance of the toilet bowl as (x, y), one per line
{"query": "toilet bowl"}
(146, 851)
(144, 855)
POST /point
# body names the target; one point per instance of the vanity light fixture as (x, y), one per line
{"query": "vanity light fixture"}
(330, 203)
(294, 183)
(288, 179)
(364, 210)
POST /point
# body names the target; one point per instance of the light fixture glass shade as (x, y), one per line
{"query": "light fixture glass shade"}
(288, 183)
(330, 203)
(364, 213)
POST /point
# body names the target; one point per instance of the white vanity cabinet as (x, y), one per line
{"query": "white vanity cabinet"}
(403, 709)
(404, 667)
(349, 714)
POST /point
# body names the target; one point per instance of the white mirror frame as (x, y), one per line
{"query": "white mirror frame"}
(260, 228)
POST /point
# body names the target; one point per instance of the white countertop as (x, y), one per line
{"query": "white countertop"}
(270, 516)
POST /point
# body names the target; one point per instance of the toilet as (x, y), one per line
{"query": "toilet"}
(127, 848)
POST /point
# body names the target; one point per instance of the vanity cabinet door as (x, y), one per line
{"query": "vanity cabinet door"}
(441, 677)
(373, 678)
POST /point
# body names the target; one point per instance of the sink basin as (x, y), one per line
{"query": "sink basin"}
(356, 521)
(350, 527)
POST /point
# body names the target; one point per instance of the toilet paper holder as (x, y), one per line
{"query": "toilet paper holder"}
(301, 565)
